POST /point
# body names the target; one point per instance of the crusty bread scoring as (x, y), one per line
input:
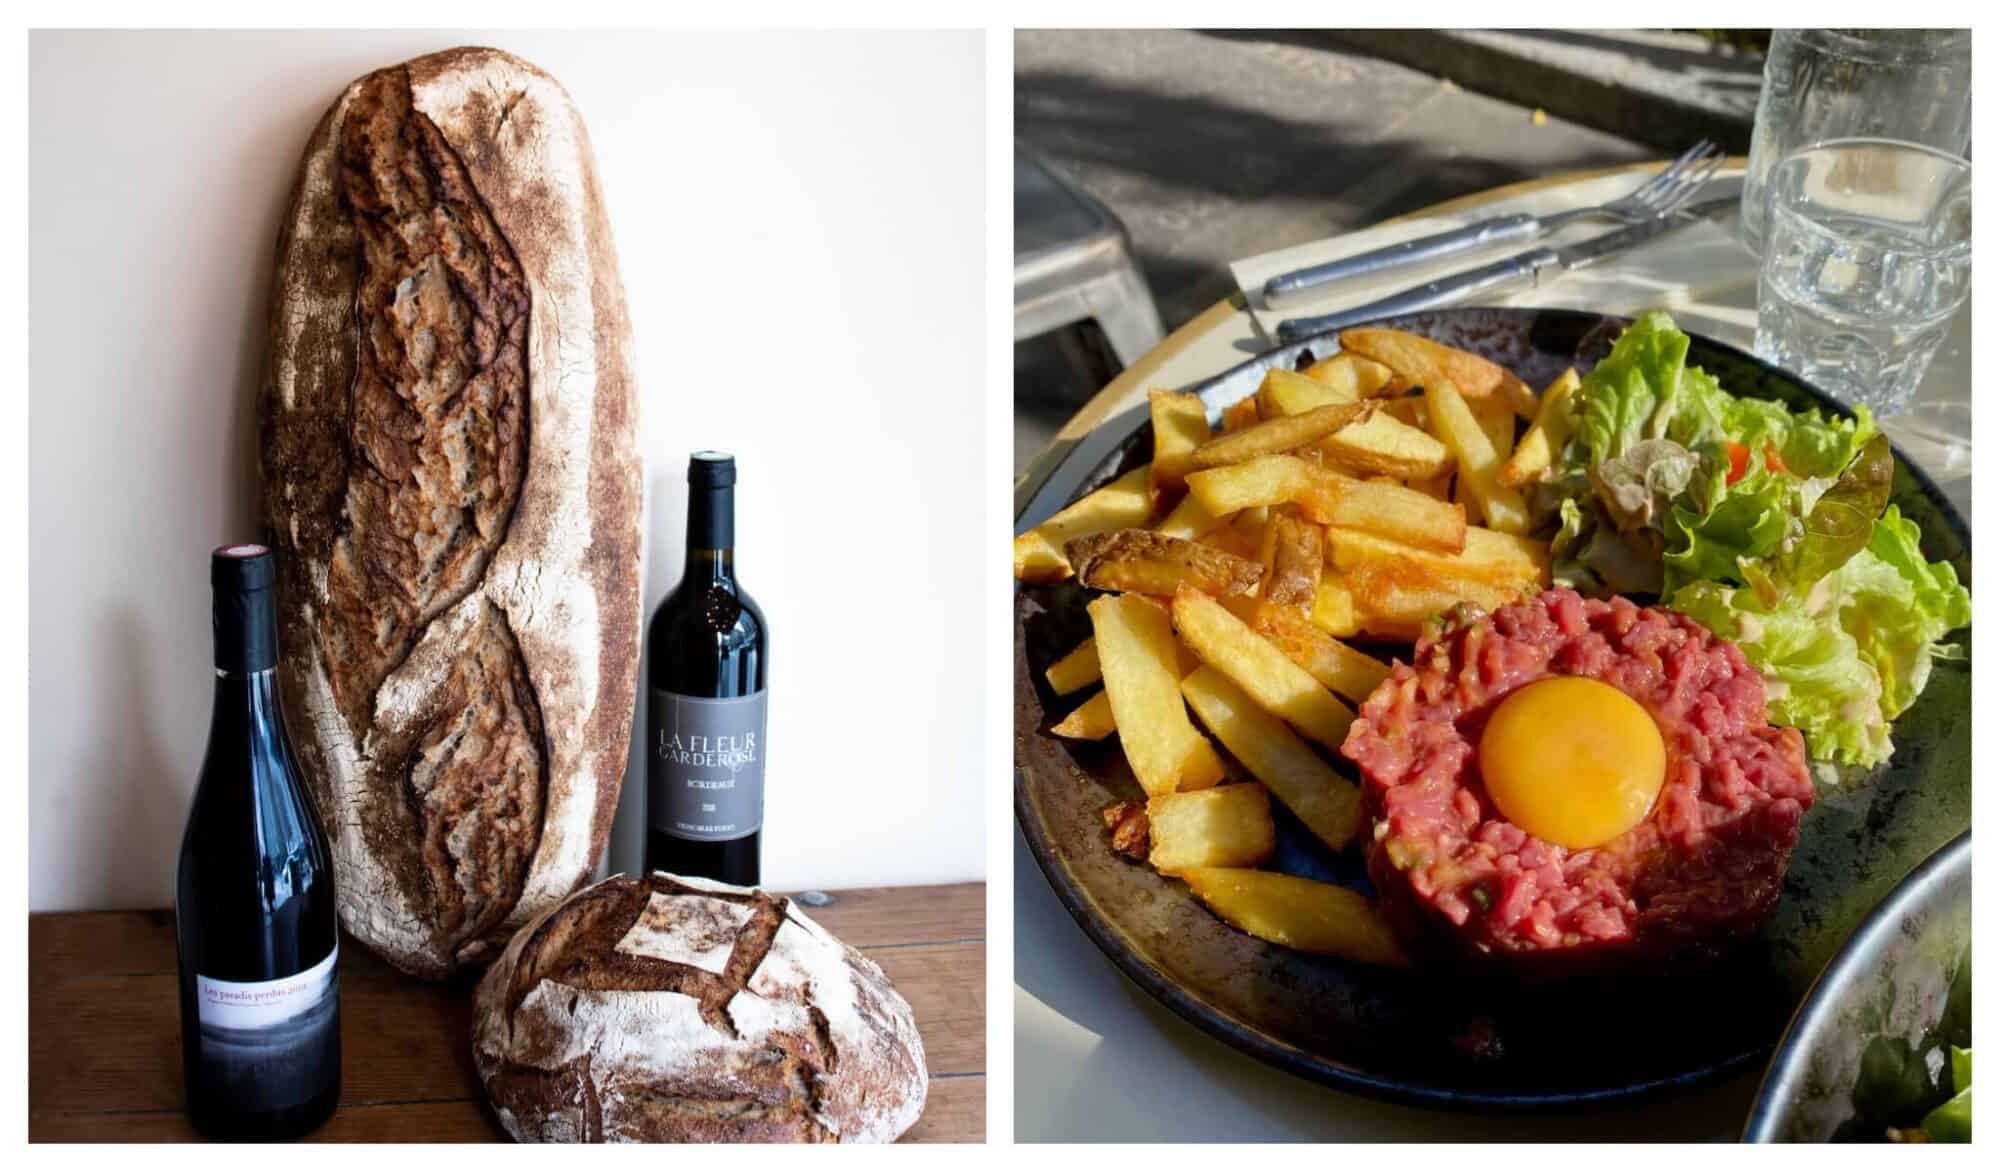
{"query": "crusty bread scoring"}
(453, 493)
(686, 1011)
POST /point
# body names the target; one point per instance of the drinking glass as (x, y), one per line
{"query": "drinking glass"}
(1867, 255)
(1913, 85)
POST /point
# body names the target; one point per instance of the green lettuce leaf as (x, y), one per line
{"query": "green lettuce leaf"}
(1846, 654)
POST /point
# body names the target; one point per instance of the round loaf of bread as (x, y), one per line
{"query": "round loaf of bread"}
(679, 1010)
(452, 488)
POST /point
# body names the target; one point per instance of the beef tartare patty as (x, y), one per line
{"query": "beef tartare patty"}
(1705, 863)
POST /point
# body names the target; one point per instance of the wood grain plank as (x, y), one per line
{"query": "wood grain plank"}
(104, 1039)
(954, 1112)
(888, 917)
(73, 943)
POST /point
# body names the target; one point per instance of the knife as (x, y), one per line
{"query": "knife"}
(1522, 266)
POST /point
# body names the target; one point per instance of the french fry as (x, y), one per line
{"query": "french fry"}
(1545, 437)
(1285, 392)
(1424, 362)
(1229, 645)
(1180, 425)
(1267, 480)
(1408, 409)
(1140, 561)
(1298, 913)
(1499, 559)
(1298, 559)
(1236, 540)
(1338, 667)
(1267, 544)
(1275, 435)
(1396, 598)
(1121, 504)
(1355, 376)
(1438, 487)
(1226, 826)
(1478, 463)
(1379, 442)
(1190, 519)
(1326, 802)
(1334, 611)
(1079, 669)
(1141, 660)
(1091, 720)
(1239, 415)
(1388, 509)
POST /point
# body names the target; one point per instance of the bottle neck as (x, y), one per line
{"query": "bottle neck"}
(711, 533)
(246, 708)
(246, 632)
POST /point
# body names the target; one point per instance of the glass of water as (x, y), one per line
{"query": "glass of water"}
(1867, 254)
(1912, 85)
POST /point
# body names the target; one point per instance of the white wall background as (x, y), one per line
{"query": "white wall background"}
(799, 220)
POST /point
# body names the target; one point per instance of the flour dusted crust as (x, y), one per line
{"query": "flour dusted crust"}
(586, 1029)
(452, 488)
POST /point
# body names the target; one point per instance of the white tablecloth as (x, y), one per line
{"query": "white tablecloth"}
(1096, 1058)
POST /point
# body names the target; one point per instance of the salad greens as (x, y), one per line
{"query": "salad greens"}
(1951, 1121)
(1769, 526)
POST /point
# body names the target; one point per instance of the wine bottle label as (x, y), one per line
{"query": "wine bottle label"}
(267, 1045)
(705, 766)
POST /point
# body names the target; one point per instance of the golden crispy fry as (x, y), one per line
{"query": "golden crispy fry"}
(1091, 720)
(1334, 664)
(1408, 409)
(1298, 558)
(1129, 829)
(1240, 415)
(1275, 435)
(1424, 362)
(1235, 540)
(1140, 561)
(1498, 424)
(1135, 644)
(1498, 559)
(1326, 802)
(1227, 644)
(1266, 480)
(1298, 913)
(1285, 392)
(1226, 826)
(1396, 598)
(1379, 442)
(1546, 436)
(1180, 425)
(1078, 669)
(1355, 376)
(1267, 543)
(1190, 519)
(1478, 463)
(1388, 509)
(1437, 487)
(1334, 612)
(1125, 502)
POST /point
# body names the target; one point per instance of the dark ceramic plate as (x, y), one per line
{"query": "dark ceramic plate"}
(1438, 1036)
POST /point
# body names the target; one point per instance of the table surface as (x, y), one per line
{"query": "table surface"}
(1094, 1055)
(104, 1058)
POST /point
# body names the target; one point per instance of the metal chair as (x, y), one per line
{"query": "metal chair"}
(1073, 263)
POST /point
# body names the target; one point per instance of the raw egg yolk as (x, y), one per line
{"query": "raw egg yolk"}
(1572, 761)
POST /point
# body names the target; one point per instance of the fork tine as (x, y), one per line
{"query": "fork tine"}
(1665, 177)
(1695, 182)
(1669, 180)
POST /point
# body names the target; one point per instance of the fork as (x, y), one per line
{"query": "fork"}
(1662, 195)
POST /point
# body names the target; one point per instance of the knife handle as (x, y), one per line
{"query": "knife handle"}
(1519, 267)
(1424, 248)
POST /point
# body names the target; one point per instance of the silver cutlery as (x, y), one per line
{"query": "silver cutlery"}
(1658, 197)
(1523, 266)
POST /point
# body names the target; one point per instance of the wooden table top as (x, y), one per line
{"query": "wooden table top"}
(104, 1058)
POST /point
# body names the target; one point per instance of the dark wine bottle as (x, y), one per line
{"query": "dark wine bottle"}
(254, 910)
(705, 724)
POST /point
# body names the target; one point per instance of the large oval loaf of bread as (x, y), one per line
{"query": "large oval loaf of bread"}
(676, 1010)
(452, 488)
